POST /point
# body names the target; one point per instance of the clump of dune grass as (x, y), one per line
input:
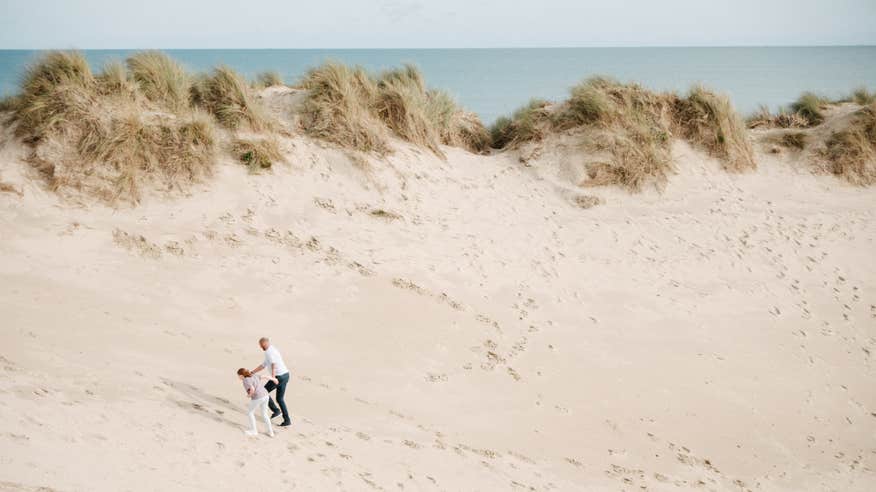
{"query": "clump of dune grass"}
(593, 101)
(809, 106)
(851, 152)
(138, 147)
(267, 79)
(115, 80)
(467, 131)
(528, 123)
(227, 96)
(863, 96)
(101, 135)
(161, 79)
(764, 118)
(455, 126)
(627, 123)
(425, 117)
(54, 92)
(401, 102)
(791, 140)
(338, 108)
(709, 121)
(350, 107)
(256, 153)
(629, 129)
(638, 156)
(806, 111)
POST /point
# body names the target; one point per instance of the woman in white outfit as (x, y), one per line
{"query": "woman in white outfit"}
(258, 400)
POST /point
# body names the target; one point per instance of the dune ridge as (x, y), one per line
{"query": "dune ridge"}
(150, 121)
(453, 320)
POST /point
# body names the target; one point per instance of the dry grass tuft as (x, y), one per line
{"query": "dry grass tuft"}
(763, 118)
(351, 108)
(133, 148)
(102, 136)
(528, 123)
(267, 79)
(161, 79)
(628, 123)
(256, 153)
(384, 214)
(54, 92)
(338, 108)
(403, 105)
(588, 201)
(8, 188)
(851, 153)
(637, 157)
(790, 140)
(809, 106)
(455, 126)
(591, 102)
(227, 96)
(114, 80)
(863, 96)
(709, 121)
(632, 128)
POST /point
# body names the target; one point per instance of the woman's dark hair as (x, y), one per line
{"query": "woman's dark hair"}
(243, 372)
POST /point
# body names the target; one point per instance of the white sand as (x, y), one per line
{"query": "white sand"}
(495, 336)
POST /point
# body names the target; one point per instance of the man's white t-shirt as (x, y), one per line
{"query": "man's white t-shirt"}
(272, 356)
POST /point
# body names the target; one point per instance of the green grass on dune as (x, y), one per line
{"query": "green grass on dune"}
(267, 79)
(147, 122)
(850, 153)
(161, 79)
(353, 108)
(109, 133)
(256, 153)
(632, 127)
(228, 97)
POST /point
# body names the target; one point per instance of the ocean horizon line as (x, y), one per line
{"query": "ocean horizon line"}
(449, 48)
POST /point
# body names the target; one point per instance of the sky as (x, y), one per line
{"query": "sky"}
(164, 24)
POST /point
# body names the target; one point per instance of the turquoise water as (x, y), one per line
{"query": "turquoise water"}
(493, 82)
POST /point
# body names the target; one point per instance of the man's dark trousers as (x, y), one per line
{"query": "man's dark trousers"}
(281, 396)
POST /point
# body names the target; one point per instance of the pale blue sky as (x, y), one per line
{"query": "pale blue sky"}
(428, 24)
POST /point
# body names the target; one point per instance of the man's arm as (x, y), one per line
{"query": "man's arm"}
(258, 368)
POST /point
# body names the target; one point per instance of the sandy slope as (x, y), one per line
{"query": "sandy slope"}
(480, 333)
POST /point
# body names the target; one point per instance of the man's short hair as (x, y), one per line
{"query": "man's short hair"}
(263, 340)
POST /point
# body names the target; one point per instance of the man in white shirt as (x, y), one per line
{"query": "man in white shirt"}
(279, 379)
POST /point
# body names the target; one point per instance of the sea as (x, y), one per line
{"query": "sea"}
(493, 82)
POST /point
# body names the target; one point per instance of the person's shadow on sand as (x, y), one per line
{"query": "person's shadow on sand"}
(199, 402)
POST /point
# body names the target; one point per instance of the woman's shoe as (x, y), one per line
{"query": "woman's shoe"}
(251, 433)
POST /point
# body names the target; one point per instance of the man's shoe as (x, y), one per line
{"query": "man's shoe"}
(276, 413)
(286, 424)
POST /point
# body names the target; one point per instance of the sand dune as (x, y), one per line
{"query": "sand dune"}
(451, 324)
